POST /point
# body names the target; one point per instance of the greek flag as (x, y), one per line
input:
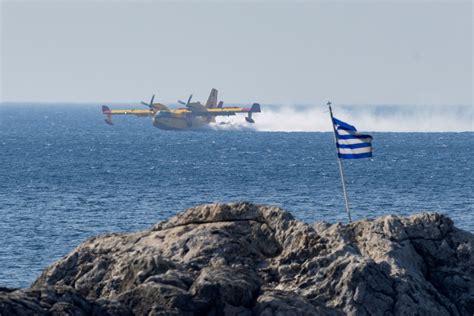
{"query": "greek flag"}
(350, 143)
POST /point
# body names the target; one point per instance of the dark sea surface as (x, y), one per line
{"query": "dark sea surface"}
(66, 176)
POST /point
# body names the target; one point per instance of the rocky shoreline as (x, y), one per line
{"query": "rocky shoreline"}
(246, 259)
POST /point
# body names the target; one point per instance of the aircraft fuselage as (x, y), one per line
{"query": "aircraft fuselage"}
(166, 120)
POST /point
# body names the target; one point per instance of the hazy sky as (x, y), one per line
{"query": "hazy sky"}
(400, 52)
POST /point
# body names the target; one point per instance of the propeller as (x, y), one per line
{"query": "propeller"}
(187, 103)
(150, 105)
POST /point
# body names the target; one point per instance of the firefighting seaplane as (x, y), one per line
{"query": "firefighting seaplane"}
(192, 116)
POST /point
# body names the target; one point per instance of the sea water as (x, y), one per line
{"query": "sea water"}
(66, 176)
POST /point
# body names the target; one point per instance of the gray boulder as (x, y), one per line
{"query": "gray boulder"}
(245, 259)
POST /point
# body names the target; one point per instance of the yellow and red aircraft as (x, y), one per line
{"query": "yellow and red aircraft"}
(194, 115)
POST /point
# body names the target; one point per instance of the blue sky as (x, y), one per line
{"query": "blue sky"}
(407, 52)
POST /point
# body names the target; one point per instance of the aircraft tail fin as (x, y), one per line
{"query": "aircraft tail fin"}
(212, 100)
(108, 114)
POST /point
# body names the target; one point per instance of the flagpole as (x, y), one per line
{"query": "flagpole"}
(340, 165)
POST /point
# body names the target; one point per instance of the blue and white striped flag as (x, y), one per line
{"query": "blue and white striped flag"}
(350, 143)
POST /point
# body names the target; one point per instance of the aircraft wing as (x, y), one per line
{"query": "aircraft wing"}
(108, 113)
(227, 111)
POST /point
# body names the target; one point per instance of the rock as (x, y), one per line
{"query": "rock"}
(274, 302)
(237, 286)
(59, 300)
(245, 259)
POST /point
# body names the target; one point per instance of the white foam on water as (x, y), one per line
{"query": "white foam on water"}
(366, 118)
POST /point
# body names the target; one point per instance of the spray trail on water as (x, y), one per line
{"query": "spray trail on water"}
(383, 118)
